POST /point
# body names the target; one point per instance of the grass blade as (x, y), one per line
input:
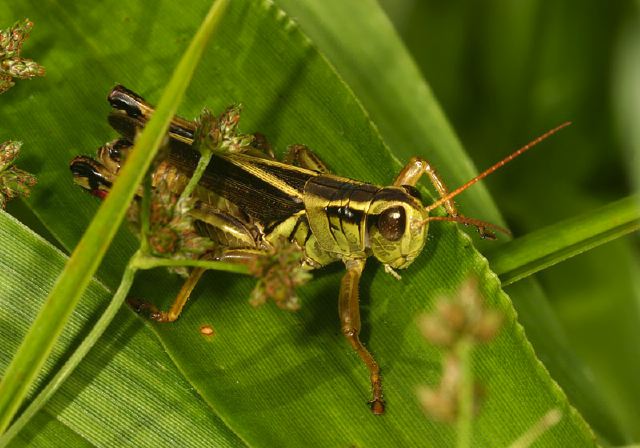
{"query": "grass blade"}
(538, 250)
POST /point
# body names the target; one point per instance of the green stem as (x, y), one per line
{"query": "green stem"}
(465, 396)
(86, 258)
(77, 356)
(148, 262)
(543, 248)
(145, 215)
(203, 162)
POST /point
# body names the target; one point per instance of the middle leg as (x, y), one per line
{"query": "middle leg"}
(413, 171)
(304, 157)
(411, 174)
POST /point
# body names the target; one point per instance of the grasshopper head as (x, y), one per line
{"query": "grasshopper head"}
(396, 226)
(397, 221)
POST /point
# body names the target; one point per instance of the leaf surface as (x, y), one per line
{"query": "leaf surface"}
(127, 391)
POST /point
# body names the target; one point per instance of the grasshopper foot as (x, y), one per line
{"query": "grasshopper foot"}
(148, 310)
(377, 406)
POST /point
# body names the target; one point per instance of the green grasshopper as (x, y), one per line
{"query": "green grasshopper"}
(249, 200)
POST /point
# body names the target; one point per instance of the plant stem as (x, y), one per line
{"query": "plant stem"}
(145, 215)
(203, 162)
(148, 262)
(465, 395)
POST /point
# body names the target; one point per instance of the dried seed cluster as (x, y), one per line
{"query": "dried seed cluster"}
(279, 274)
(220, 134)
(458, 323)
(463, 316)
(14, 182)
(12, 65)
(171, 232)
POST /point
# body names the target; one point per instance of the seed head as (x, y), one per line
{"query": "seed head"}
(11, 64)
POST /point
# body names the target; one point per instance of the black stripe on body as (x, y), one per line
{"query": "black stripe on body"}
(301, 222)
(128, 126)
(393, 194)
(334, 189)
(225, 176)
(254, 196)
(127, 101)
(346, 214)
(358, 204)
(85, 167)
(349, 201)
(344, 203)
(129, 104)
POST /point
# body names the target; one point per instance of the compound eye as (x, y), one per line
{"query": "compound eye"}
(392, 222)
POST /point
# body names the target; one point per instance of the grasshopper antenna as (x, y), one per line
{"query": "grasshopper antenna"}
(490, 170)
(482, 226)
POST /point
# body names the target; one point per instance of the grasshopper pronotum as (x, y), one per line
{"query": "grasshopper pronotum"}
(329, 218)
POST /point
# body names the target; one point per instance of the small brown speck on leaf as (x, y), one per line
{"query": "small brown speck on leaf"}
(207, 330)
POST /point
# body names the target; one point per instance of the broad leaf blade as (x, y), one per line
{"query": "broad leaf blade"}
(402, 106)
(387, 81)
(276, 378)
(126, 392)
(503, 69)
(400, 93)
(88, 254)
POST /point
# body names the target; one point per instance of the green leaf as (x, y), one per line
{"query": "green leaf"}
(275, 378)
(408, 116)
(126, 392)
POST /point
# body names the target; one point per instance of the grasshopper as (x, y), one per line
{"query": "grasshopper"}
(248, 200)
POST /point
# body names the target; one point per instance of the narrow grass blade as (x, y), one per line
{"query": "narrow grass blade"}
(538, 250)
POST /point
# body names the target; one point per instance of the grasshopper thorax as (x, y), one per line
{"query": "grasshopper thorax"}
(396, 225)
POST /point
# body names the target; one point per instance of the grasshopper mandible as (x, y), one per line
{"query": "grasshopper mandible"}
(329, 218)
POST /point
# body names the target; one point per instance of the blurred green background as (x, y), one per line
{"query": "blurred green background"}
(504, 71)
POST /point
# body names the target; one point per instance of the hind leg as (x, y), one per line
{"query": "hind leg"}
(304, 157)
